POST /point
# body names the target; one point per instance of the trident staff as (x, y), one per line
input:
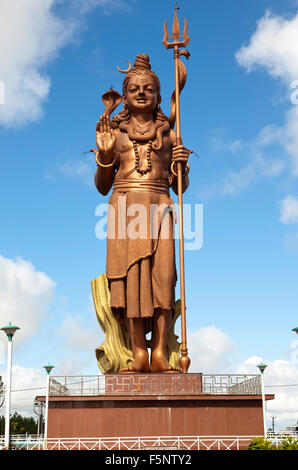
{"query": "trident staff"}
(180, 78)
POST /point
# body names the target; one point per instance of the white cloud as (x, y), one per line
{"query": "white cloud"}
(77, 334)
(261, 160)
(281, 140)
(238, 181)
(280, 378)
(108, 6)
(77, 352)
(26, 384)
(81, 170)
(289, 210)
(79, 343)
(260, 163)
(210, 350)
(274, 47)
(25, 295)
(219, 142)
(31, 36)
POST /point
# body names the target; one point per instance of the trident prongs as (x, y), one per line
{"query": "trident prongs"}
(175, 34)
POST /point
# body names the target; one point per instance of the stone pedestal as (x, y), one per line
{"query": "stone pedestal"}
(156, 405)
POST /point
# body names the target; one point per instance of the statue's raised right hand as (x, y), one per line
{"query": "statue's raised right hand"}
(105, 138)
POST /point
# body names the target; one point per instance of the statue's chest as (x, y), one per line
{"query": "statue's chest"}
(129, 150)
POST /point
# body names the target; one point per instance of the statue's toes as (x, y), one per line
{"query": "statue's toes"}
(129, 369)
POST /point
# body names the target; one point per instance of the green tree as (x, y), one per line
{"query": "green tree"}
(2, 425)
(289, 444)
(19, 424)
(259, 443)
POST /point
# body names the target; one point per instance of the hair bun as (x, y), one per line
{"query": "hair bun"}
(142, 62)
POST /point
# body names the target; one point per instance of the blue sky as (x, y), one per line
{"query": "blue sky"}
(237, 114)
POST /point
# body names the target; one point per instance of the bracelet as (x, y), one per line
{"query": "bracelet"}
(185, 173)
(101, 164)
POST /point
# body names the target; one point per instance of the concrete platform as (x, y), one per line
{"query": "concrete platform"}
(137, 412)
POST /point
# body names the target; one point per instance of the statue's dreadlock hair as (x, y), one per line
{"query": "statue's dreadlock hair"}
(142, 66)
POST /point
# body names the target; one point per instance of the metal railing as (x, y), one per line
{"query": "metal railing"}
(281, 435)
(155, 384)
(33, 442)
(14, 438)
(232, 384)
(141, 443)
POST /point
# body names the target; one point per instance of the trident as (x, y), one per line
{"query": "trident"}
(184, 360)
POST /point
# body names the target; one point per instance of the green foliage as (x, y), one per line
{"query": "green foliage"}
(19, 424)
(2, 425)
(289, 444)
(259, 443)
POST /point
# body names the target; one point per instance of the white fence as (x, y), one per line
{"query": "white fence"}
(34, 442)
(138, 443)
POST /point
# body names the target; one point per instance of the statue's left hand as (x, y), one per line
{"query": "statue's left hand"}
(180, 154)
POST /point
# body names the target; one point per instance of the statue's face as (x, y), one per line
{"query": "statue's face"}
(141, 94)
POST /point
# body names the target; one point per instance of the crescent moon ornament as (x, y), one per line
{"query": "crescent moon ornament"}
(127, 70)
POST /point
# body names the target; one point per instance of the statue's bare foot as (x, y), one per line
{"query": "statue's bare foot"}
(160, 364)
(139, 365)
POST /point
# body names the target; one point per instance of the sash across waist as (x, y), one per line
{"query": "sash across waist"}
(157, 186)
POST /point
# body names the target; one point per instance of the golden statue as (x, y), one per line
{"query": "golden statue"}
(137, 154)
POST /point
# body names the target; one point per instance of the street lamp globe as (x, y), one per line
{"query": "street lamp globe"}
(261, 367)
(48, 368)
(10, 330)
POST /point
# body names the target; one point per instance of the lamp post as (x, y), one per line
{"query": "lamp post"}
(261, 368)
(48, 369)
(10, 331)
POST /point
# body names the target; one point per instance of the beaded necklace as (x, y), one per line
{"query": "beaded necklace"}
(148, 158)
